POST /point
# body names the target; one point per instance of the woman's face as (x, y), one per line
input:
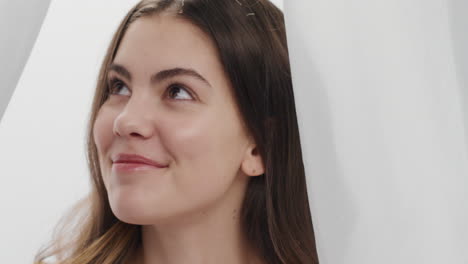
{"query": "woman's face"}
(170, 102)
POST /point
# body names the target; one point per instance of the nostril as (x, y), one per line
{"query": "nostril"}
(255, 151)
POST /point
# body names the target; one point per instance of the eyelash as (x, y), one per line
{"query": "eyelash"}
(116, 81)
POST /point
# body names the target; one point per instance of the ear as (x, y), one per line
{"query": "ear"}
(252, 165)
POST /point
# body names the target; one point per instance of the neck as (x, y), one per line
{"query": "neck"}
(193, 244)
(210, 236)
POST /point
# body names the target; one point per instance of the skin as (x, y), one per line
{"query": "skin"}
(189, 211)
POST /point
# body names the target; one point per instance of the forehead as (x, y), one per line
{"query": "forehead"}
(161, 41)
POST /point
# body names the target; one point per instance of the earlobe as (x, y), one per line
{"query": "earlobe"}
(252, 165)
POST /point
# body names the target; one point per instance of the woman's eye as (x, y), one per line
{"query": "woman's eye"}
(115, 85)
(176, 89)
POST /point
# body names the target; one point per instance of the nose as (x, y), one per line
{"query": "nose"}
(134, 121)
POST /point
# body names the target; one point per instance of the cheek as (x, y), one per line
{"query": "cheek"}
(102, 134)
(208, 154)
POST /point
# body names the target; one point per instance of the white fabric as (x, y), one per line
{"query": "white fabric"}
(380, 88)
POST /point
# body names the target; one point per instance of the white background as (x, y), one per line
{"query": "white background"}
(42, 134)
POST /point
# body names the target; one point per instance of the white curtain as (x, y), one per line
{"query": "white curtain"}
(381, 92)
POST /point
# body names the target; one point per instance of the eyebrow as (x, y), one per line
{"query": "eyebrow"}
(161, 75)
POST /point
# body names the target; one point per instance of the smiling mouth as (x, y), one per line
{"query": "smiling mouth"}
(135, 159)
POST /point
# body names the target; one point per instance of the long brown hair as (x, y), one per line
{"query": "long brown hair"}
(251, 41)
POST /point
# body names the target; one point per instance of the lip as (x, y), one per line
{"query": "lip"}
(132, 167)
(133, 161)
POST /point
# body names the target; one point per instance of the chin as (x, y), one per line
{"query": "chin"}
(132, 215)
(131, 209)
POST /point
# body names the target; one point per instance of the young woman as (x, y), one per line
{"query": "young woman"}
(193, 143)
